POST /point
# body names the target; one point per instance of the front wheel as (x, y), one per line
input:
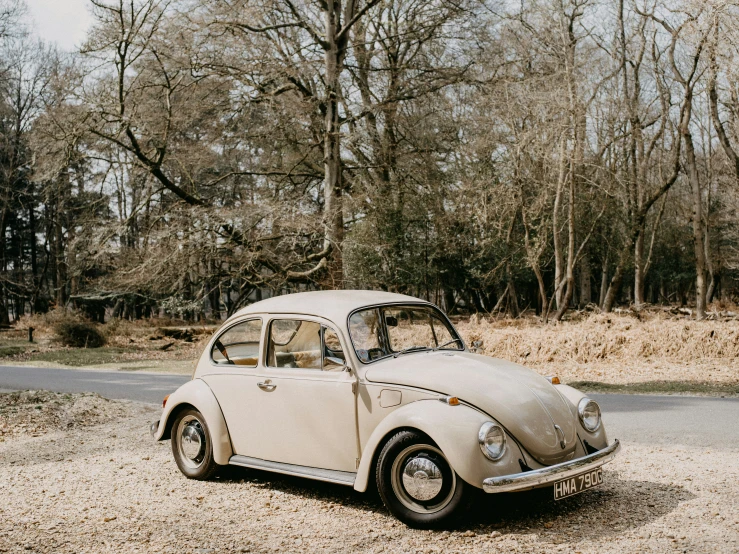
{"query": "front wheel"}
(416, 482)
(191, 445)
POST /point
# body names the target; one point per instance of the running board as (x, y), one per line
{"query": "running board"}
(328, 475)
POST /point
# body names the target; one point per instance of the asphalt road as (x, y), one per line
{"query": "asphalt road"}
(143, 387)
(647, 419)
(687, 420)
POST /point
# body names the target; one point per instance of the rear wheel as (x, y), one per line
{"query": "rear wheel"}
(191, 445)
(416, 482)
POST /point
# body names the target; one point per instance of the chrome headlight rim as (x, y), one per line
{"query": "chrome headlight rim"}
(482, 435)
(581, 406)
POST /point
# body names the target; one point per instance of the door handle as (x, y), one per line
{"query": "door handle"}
(267, 385)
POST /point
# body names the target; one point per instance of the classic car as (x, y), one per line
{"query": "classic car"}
(362, 387)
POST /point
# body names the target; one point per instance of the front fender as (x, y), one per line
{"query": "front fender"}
(598, 439)
(454, 430)
(198, 394)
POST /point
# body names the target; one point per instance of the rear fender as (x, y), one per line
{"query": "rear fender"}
(197, 393)
(454, 429)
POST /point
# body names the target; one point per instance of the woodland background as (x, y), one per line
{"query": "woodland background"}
(488, 155)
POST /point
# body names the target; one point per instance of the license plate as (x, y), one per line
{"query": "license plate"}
(578, 483)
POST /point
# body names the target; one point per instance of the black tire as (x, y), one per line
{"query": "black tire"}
(191, 445)
(429, 502)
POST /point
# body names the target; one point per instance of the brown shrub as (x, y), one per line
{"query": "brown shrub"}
(79, 334)
(45, 323)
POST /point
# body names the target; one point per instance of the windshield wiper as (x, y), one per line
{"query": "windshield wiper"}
(447, 343)
(410, 349)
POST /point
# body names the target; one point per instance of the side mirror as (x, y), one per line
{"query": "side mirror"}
(391, 321)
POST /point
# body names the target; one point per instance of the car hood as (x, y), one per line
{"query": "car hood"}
(525, 403)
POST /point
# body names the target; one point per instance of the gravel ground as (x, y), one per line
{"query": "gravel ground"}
(36, 412)
(102, 485)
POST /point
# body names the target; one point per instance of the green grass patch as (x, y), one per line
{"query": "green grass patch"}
(80, 357)
(8, 351)
(660, 387)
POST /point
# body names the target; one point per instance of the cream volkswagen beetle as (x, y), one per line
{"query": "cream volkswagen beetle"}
(354, 387)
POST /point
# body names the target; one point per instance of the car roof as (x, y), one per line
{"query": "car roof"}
(334, 305)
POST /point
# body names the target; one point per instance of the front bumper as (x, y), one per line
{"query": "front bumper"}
(153, 428)
(547, 475)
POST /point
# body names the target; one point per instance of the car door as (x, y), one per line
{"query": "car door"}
(301, 410)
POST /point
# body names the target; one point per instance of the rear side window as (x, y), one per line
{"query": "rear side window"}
(294, 343)
(304, 345)
(238, 345)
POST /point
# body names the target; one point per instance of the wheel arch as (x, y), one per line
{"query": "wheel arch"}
(378, 449)
(167, 431)
(198, 395)
(453, 429)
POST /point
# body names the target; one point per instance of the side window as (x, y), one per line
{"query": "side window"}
(364, 328)
(333, 355)
(294, 343)
(238, 345)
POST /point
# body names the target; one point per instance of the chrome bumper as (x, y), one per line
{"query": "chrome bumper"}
(544, 476)
(153, 428)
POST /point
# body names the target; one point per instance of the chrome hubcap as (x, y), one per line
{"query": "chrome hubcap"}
(422, 479)
(191, 441)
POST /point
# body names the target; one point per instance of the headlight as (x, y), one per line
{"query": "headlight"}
(589, 413)
(492, 440)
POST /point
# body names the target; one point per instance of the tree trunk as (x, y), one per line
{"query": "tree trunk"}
(713, 106)
(639, 270)
(214, 299)
(556, 239)
(61, 270)
(570, 276)
(34, 253)
(4, 316)
(449, 303)
(586, 292)
(533, 256)
(713, 274)
(512, 308)
(334, 219)
(698, 240)
(603, 281)
(615, 284)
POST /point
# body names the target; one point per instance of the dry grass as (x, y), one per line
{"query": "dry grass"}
(128, 343)
(614, 348)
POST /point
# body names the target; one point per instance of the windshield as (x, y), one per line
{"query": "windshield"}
(390, 330)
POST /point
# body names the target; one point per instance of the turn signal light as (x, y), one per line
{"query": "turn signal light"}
(164, 402)
(451, 400)
(554, 380)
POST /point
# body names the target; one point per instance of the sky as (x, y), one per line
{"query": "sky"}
(64, 22)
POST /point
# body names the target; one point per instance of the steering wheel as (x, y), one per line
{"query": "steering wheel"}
(224, 352)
